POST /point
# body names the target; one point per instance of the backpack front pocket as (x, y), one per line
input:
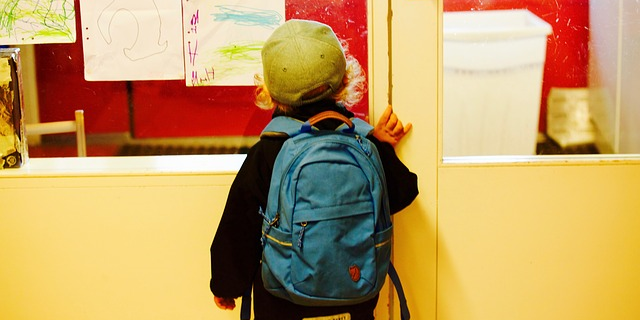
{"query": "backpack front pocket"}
(334, 258)
(276, 269)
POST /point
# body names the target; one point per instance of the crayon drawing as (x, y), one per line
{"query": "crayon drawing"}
(37, 21)
(222, 42)
(132, 40)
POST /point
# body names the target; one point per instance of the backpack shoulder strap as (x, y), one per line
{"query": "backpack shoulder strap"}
(282, 127)
(245, 307)
(395, 279)
(361, 127)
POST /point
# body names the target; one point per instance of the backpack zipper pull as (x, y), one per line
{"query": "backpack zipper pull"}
(301, 234)
(270, 224)
(364, 148)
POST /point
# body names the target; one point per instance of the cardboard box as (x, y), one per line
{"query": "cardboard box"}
(568, 117)
(13, 144)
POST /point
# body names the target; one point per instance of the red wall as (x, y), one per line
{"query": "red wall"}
(567, 47)
(150, 109)
(62, 89)
(170, 109)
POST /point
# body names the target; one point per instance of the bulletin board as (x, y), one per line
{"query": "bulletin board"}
(170, 108)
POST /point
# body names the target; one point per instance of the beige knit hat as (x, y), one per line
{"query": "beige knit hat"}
(303, 62)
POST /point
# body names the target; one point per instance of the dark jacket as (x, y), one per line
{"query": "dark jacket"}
(236, 249)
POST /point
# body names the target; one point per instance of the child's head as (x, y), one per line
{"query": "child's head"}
(304, 62)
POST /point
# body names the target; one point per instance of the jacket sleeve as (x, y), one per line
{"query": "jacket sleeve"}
(402, 184)
(236, 249)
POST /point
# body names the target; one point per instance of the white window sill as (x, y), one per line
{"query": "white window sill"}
(131, 166)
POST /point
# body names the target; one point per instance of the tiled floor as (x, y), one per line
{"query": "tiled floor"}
(549, 147)
(68, 149)
(149, 150)
(129, 149)
(54, 151)
(121, 144)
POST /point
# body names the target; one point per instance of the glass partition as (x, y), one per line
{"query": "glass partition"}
(525, 78)
(149, 116)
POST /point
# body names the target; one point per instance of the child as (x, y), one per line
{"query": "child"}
(306, 71)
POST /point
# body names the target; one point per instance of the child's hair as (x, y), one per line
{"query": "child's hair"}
(354, 86)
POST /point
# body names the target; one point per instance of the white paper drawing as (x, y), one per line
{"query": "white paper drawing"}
(222, 40)
(37, 21)
(132, 39)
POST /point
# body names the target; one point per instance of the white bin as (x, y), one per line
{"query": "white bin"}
(493, 66)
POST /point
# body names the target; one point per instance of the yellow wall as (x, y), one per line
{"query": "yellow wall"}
(552, 240)
(114, 246)
(539, 242)
(415, 98)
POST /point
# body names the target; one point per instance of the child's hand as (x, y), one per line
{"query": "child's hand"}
(389, 128)
(225, 303)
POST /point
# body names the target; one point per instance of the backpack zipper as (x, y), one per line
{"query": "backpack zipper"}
(301, 234)
(366, 151)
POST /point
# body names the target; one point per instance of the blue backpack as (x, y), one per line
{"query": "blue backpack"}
(327, 227)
